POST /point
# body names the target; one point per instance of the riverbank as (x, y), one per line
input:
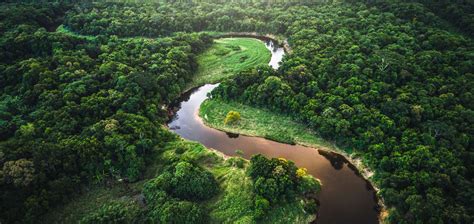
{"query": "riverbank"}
(258, 122)
(277, 127)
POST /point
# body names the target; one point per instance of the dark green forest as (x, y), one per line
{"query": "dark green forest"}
(391, 80)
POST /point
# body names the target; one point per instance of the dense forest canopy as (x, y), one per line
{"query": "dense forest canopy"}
(391, 79)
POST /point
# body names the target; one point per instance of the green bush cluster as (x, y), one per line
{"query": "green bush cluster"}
(232, 117)
(276, 180)
(173, 196)
(187, 181)
(177, 212)
(114, 212)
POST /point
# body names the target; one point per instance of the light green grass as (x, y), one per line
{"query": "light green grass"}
(228, 56)
(259, 122)
(235, 203)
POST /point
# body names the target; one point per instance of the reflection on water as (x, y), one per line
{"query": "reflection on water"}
(232, 135)
(337, 161)
(345, 196)
(277, 53)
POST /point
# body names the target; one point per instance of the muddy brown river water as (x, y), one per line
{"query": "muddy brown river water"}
(345, 197)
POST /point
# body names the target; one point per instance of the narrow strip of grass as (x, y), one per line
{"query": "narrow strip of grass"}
(258, 122)
(63, 29)
(228, 56)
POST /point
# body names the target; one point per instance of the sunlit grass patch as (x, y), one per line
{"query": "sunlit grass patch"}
(228, 56)
(258, 122)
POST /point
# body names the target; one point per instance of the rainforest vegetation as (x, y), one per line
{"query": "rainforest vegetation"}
(85, 89)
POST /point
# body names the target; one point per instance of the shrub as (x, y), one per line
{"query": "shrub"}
(162, 182)
(311, 206)
(114, 212)
(193, 183)
(281, 138)
(267, 188)
(278, 178)
(307, 184)
(177, 212)
(180, 150)
(236, 162)
(261, 206)
(259, 166)
(232, 117)
(188, 182)
(153, 193)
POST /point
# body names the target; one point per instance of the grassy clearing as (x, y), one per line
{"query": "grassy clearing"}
(258, 122)
(228, 56)
(235, 203)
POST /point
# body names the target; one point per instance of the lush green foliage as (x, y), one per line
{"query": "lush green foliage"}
(152, 19)
(458, 13)
(276, 180)
(396, 89)
(389, 79)
(235, 201)
(177, 212)
(188, 182)
(114, 212)
(76, 109)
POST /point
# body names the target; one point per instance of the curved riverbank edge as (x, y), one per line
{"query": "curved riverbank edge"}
(264, 37)
(353, 162)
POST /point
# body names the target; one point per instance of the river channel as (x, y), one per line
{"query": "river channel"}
(346, 197)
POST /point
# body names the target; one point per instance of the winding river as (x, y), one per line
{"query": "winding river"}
(345, 197)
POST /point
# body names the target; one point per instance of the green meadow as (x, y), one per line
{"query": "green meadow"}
(228, 56)
(258, 122)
